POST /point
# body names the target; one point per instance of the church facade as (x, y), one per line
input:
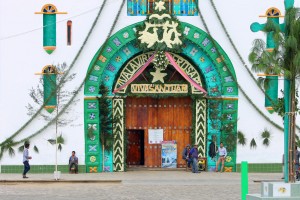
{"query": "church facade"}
(144, 74)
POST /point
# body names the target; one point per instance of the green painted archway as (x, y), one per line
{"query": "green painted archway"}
(216, 114)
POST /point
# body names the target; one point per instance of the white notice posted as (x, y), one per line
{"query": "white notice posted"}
(156, 136)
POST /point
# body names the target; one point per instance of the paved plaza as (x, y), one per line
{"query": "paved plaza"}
(130, 185)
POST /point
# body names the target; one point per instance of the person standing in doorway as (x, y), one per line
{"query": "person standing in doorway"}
(194, 157)
(222, 155)
(186, 155)
(26, 159)
(73, 161)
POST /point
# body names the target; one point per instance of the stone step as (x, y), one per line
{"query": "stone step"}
(259, 197)
(277, 191)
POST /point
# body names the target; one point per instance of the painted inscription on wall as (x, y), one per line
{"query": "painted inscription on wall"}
(159, 88)
(136, 63)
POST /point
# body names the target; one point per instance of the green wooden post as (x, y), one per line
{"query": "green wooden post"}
(244, 179)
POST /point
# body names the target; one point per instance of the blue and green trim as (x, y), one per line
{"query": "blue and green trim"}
(207, 56)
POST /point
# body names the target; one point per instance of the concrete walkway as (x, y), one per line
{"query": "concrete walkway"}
(130, 185)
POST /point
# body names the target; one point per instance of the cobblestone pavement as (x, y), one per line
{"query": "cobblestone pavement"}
(169, 185)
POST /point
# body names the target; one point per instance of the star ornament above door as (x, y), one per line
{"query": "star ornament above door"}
(158, 76)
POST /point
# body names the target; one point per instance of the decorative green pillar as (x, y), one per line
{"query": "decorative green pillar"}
(271, 91)
(256, 27)
(49, 73)
(49, 12)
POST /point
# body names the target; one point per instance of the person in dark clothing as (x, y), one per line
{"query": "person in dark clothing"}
(73, 161)
(194, 157)
(186, 155)
(212, 152)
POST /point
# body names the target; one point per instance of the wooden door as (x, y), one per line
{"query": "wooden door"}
(174, 115)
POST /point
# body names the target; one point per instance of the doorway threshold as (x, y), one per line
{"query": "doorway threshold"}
(143, 168)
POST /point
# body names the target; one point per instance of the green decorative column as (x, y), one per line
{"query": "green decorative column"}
(49, 73)
(49, 12)
(256, 27)
(271, 91)
(92, 141)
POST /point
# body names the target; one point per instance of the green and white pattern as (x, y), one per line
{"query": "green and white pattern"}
(216, 70)
(119, 128)
(200, 126)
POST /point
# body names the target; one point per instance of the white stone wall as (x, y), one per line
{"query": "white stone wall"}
(22, 54)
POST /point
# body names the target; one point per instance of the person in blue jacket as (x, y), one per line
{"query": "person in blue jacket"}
(194, 157)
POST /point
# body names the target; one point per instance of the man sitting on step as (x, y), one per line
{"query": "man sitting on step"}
(73, 163)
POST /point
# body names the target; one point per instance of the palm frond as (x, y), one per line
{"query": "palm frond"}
(11, 151)
(2, 152)
(266, 142)
(253, 144)
(59, 147)
(261, 81)
(266, 137)
(241, 138)
(21, 148)
(52, 141)
(266, 134)
(35, 148)
(60, 140)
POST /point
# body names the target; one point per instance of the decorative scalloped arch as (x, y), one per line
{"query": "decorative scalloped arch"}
(207, 55)
(210, 59)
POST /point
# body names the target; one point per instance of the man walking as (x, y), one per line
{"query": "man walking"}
(194, 155)
(26, 159)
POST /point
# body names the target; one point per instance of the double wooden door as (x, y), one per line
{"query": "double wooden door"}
(173, 115)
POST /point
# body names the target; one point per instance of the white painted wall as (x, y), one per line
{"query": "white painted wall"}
(22, 54)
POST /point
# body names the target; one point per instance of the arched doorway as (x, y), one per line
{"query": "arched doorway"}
(213, 115)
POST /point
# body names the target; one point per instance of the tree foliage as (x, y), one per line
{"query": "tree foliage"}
(106, 119)
(265, 135)
(241, 138)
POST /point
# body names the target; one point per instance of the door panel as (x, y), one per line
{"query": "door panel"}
(174, 115)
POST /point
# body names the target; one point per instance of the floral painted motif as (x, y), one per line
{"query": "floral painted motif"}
(92, 89)
(92, 116)
(125, 35)
(108, 49)
(196, 35)
(97, 68)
